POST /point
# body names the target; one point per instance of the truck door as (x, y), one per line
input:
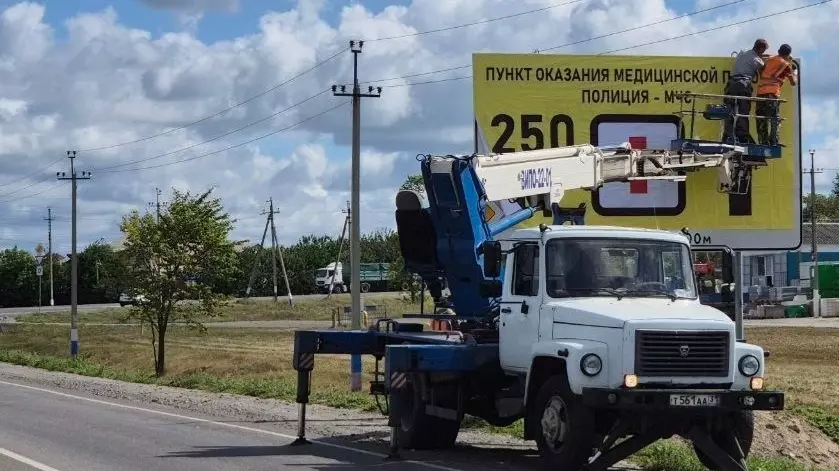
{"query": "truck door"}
(519, 317)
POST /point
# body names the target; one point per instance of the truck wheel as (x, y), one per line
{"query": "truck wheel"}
(744, 424)
(420, 431)
(564, 426)
(365, 287)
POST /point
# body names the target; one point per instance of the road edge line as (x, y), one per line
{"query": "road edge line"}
(221, 424)
(26, 461)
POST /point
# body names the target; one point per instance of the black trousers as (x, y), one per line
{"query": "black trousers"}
(767, 128)
(744, 107)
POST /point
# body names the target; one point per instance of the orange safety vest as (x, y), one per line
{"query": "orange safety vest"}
(776, 70)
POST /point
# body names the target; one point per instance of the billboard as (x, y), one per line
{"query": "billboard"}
(532, 101)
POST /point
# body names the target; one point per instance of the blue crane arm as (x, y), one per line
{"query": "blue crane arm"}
(441, 242)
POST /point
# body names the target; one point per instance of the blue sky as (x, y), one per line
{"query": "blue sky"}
(223, 25)
(436, 116)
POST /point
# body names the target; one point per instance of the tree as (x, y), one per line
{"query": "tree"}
(835, 192)
(18, 281)
(415, 183)
(178, 257)
(826, 207)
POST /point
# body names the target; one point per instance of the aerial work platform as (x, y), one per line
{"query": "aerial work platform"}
(754, 153)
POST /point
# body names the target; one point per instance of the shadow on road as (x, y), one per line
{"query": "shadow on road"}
(471, 457)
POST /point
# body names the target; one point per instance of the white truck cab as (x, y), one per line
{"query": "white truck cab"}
(604, 320)
(331, 278)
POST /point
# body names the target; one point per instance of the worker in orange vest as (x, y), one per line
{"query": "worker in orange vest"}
(777, 69)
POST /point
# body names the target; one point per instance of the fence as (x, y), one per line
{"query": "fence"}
(342, 316)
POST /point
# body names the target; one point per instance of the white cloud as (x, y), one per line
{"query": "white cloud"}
(101, 82)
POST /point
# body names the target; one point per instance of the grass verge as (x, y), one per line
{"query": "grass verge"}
(256, 362)
(319, 309)
(666, 456)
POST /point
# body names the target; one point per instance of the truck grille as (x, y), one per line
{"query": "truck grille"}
(681, 354)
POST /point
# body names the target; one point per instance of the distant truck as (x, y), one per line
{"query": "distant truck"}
(374, 277)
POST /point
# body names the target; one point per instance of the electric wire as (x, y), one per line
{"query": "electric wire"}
(44, 180)
(475, 23)
(657, 41)
(248, 100)
(574, 43)
(33, 195)
(105, 169)
(716, 28)
(249, 141)
(321, 63)
(36, 172)
(192, 146)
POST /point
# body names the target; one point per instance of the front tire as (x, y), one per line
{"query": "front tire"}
(743, 425)
(564, 426)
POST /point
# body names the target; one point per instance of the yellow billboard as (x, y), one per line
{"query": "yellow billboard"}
(532, 101)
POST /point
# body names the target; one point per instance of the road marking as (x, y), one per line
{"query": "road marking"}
(220, 424)
(26, 461)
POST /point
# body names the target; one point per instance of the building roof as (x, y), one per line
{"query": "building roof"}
(827, 233)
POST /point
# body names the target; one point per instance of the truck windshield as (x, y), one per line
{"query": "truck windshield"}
(619, 267)
(324, 273)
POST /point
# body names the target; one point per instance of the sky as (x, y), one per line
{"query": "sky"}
(139, 89)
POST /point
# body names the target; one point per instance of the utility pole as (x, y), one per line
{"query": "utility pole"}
(74, 262)
(275, 251)
(49, 220)
(340, 248)
(258, 261)
(355, 227)
(156, 203)
(273, 244)
(814, 251)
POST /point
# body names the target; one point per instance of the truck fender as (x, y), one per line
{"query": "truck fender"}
(564, 357)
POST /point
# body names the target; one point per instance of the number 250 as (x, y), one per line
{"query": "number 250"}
(529, 130)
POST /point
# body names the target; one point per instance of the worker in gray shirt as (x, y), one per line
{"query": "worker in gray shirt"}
(747, 67)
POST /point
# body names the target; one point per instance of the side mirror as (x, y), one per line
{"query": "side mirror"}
(727, 266)
(490, 289)
(492, 259)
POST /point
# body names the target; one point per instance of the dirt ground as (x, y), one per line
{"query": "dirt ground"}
(782, 434)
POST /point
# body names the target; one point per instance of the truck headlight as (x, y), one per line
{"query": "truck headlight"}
(749, 365)
(591, 364)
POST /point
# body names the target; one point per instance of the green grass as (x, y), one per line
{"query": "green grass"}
(820, 418)
(661, 456)
(668, 456)
(319, 309)
(255, 362)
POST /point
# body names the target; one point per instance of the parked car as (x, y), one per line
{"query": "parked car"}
(125, 299)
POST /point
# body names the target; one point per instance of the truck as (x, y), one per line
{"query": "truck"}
(594, 336)
(374, 277)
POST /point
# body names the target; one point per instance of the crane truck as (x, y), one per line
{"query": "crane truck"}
(593, 335)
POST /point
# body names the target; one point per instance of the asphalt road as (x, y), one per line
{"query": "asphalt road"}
(51, 430)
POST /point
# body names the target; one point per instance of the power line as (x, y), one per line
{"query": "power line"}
(261, 94)
(52, 188)
(716, 28)
(36, 172)
(166, 154)
(655, 23)
(207, 154)
(475, 23)
(25, 187)
(736, 23)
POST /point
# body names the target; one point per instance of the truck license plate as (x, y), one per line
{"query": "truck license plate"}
(694, 400)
